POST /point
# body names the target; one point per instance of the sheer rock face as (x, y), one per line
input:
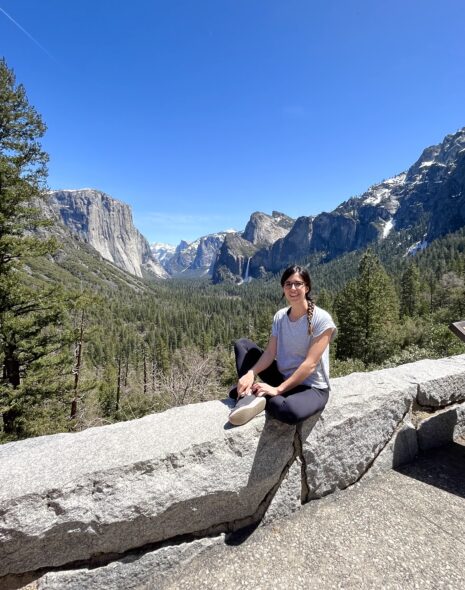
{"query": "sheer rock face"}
(284, 251)
(263, 230)
(186, 473)
(105, 224)
(233, 262)
(431, 192)
(435, 188)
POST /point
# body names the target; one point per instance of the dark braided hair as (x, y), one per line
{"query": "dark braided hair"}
(304, 275)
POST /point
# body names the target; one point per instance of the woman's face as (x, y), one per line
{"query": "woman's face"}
(295, 289)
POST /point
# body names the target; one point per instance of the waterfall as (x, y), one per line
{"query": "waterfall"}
(247, 279)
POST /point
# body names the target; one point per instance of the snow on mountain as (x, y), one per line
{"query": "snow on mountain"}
(417, 247)
(387, 228)
(191, 259)
(162, 252)
(385, 193)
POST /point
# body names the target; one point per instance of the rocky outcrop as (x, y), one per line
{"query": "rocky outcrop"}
(431, 194)
(263, 230)
(245, 256)
(233, 262)
(148, 489)
(106, 225)
(285, 251)
(434, 190)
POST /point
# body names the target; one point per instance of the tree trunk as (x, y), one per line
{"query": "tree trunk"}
(126, 370)
(118, 385)
(145, 373)
(11, 375)
(154, 372)
(77, 368)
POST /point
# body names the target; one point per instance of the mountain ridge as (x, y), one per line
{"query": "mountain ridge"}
(430, 195)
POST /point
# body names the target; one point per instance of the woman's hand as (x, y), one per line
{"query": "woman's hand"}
(245, 383)
(261, 389)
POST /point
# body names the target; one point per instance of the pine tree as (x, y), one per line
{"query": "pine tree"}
(349, 323)
(367, 312)
(32, 320)
(410, 291)
(378, 309)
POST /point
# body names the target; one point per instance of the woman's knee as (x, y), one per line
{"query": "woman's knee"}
(279, 409)
(294, 410)
(244, 344)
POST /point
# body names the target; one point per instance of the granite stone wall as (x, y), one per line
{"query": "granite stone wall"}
(108, 506)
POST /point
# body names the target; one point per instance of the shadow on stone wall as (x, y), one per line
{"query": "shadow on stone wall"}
(443, 468)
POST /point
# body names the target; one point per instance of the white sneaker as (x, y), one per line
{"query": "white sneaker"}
(246, 408)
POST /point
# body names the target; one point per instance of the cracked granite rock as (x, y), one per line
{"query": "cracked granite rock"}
(135, 571)
(106, 490)
(364, 412)
(400, 450)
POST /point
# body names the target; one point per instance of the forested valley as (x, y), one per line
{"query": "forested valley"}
(84, 344)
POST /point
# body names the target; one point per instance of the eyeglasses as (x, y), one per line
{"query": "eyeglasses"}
(296, 284)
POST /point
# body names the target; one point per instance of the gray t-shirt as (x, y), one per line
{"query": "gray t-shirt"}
(293, 342)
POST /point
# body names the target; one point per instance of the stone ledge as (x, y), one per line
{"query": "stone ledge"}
(69, 499)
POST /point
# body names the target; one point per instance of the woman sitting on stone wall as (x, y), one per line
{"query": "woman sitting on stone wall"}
(294, 368)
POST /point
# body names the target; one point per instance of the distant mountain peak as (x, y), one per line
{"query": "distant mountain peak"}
(192, 259)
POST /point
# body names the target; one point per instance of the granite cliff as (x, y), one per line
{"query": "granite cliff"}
(238, 254)
(263, 230)
(105, 224)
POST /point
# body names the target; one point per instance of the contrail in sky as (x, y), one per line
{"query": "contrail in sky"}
(26, 33)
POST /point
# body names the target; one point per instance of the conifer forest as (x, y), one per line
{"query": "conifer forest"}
(84, 344)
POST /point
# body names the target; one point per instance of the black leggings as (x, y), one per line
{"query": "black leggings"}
(292, 407)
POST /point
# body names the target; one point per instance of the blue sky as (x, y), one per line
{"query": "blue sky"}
(199, 112)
